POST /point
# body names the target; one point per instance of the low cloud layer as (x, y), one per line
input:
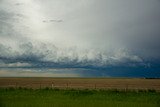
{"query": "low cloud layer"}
(42, 55)
(79, 34)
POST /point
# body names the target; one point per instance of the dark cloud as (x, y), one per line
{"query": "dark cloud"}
(18, 4)
(19, 15)
(56, 20)
(50, 21)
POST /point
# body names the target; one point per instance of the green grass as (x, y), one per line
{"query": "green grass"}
(77, 98)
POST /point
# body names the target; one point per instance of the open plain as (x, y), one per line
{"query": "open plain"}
(79, 92)
(81, 83)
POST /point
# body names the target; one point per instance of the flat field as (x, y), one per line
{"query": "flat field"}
(82, 83)
(47, 97)
(79, 92)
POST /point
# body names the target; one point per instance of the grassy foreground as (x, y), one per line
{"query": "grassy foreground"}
(77, 98)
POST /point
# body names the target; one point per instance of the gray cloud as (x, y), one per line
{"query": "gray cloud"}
(93, 33)
(44, 55)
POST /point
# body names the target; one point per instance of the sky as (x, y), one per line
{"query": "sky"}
(80, 38)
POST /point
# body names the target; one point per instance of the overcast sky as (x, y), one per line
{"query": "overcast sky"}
(79, 33)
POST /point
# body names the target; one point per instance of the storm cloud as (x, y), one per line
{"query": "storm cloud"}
(79, 34)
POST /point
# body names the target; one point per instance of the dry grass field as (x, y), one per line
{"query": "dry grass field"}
(82, 83)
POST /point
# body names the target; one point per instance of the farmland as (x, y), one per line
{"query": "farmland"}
(82, 83)
(79, 92)
(47, 97)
